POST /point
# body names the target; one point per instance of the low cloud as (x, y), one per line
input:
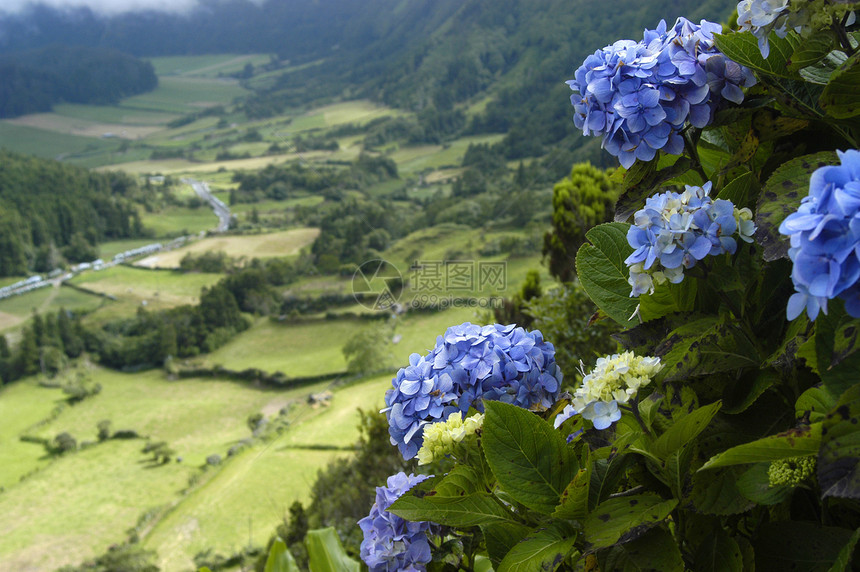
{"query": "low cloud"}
(108, 7)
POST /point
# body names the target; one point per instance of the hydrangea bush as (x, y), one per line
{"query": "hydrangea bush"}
(724, 432)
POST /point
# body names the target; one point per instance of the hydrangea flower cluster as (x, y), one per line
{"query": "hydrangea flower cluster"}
(791, 471)
(761, 17)
(392, 543)
(441, 437)
(469, 364)
(615, 380)
(825, 240)
(639, 95)
(676, 230)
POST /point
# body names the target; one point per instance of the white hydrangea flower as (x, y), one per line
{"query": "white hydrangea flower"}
(440, 438)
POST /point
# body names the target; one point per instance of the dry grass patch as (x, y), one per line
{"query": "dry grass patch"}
(284, 243)
(82, 127)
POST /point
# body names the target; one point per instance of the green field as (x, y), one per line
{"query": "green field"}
(205, 66)
(177, 221)
(186, 94)
(51, 145)
(165, 287)
(17, 309)
(113, 114)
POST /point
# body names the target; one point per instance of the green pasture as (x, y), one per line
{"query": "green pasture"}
(419, 158)
(167, 287)
(299, 349)
(22, 405)
(251, 495)
(176, 221)
(49, 144)
(272, 206)
(113, 114)
(186, 94)
(205, 66)
(17, 309)
(68, 511)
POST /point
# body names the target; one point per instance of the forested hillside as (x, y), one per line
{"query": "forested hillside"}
(50, 210)
(506, 60)
(35, 80)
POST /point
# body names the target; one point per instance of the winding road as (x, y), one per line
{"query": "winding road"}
(221, 210)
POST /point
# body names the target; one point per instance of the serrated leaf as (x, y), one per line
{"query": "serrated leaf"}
(702, 346)
(530, 460)
(544, 550)
(754, 484)
(811, 51)
(668, 299)
(781, 196)
(843, 559)
(793, 443)
(614, 518)
(716, 492)
(798, 546)
(839, 459)
(740, 190)
(685, 430)
(841, 98)
(454, 500)
(815, 402)
(606, 474)
(742, 47)
(719, 552)
(574, 499)
(500, 537)
(326, 553)
(743, 392)
(603, 274)
(280, 559)
(656, 550)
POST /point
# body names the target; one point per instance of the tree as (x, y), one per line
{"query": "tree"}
(369, 350)
(584, 199)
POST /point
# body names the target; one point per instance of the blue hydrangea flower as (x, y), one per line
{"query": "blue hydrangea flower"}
(468, 365)
(676, 230)
(639, 95)
(392, 543)
(825, 240)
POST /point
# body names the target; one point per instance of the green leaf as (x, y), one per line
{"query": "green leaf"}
(326, 553)
(280, 559)
(702, 346)
(798, 546)
(719, 552)
(603, 274)
(811, 51)
(838, 365)
(839, 459)
(483, 564)
(843, 559)
(466, 509)
(716, 492)
(781, 196)
(544, 550)
(607, 471)
(574, 499)
(815, 402)
(500, 537)
(744, 392)
(655, 550)
(668, 299)
(685, 430)
(841, 98)
(742, 47)
(622, 519)
(740, 190)
(793, 443)
(530, 460)
(754, 484)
